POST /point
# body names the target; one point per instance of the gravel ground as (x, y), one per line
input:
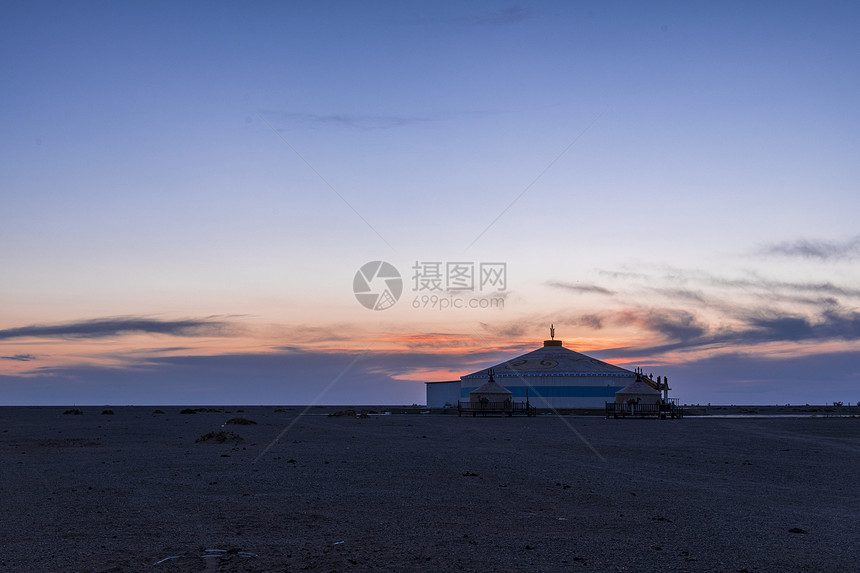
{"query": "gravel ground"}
(134, 491)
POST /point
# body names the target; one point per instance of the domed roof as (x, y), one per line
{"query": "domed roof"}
(638, 388)
(552, 360)
(491, 387)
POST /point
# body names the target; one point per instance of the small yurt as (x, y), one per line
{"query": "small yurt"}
(638, 392)
(491, 392)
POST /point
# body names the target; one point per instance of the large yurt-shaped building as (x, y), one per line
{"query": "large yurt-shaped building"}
(554, 377)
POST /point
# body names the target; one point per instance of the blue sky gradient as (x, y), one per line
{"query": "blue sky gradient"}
(188, 190)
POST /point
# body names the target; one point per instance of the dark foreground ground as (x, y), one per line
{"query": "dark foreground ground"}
(124, 492)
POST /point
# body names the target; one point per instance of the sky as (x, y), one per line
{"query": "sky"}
(194, 193)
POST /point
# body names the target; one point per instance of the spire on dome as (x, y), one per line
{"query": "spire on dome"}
(552, 341)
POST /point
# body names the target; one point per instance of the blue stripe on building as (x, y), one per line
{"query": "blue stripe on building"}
(555, 391)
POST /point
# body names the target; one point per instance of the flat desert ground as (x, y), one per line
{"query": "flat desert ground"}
(135, 491)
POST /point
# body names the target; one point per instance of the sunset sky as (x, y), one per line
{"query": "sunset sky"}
(189, 189)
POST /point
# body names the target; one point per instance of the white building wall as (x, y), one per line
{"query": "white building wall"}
(440, 393)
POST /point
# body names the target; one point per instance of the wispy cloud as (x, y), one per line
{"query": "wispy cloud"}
(680, 294)
(504, 17)
(20, 357)
(815, 249)
(580, 288)
(764, 284)
(304, 335)
(431, 341)
(668, 277)
(699, 313)
(675, 330)
(357, 121)
(120, 326)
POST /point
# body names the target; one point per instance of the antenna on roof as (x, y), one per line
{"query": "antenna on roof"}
(552, 341)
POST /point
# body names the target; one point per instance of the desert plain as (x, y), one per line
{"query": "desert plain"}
(299, 490)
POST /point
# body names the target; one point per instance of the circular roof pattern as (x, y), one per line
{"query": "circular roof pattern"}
(553, 361)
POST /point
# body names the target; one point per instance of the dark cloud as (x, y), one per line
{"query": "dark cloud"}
(841, 324)
(811, 249)
(775, 327)
(580, 288)
(120, 326)
(674, 324)
(786, 328)
(590, 320)
(20, 357)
